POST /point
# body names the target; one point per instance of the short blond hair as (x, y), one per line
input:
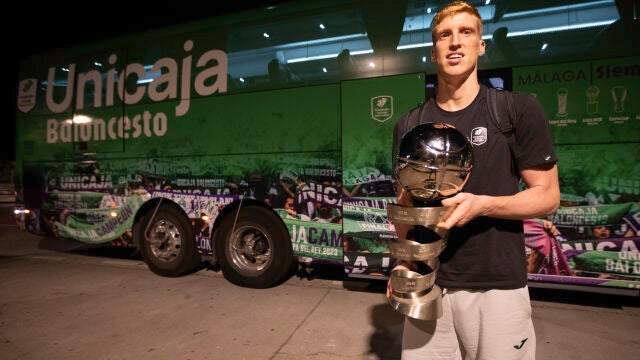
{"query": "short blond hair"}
(453, 8)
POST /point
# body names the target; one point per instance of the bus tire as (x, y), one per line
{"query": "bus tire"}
(256, 252)
(170, 249)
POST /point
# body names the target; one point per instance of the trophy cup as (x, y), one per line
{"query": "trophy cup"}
(433, 162)
(619, 94)
(562, 94)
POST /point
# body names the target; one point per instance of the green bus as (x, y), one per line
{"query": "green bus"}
(261, 139)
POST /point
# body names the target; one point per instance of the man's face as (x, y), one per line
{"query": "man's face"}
(457, 45)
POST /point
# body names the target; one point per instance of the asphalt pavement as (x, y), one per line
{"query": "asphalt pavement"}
(98, 304)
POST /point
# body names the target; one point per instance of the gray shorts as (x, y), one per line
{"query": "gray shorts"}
(491, 324)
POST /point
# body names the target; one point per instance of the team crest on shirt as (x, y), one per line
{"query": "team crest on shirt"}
(479, 135)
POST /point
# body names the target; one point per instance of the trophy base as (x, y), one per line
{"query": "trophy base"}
(427, 307)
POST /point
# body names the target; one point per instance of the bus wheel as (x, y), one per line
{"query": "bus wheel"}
(256, 252)
(168, 247)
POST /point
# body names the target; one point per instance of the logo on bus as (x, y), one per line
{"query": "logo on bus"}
(382, 108)
(27, 95)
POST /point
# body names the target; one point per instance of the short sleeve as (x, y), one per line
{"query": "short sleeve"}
(533, 133)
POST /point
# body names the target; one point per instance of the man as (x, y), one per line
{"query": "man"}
(483, 271)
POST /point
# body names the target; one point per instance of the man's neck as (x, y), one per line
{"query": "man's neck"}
(456, 95)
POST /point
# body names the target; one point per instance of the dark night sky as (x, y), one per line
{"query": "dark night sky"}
(55, 25)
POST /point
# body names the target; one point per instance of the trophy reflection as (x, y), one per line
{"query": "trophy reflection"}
(619, 94)
(433, 162)
(562, 95)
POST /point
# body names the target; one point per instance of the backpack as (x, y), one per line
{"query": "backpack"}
(500, 103)
(500, 107)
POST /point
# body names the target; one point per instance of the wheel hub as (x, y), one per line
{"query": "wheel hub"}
(164, 240)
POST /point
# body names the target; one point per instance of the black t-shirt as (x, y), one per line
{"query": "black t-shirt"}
(489, 253)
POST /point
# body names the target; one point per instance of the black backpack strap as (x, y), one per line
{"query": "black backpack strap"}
(503, 113)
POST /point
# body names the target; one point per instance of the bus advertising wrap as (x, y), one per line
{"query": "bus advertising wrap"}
(317, 157)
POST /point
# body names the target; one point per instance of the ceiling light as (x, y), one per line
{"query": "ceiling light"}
(326, 56)
(554, 9)
(560, 28)
(525, 32)
(81, 119)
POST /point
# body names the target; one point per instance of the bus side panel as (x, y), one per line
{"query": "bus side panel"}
(283, 121)
(271, 146)
(280, 147)
(592, 239)
(370, 109)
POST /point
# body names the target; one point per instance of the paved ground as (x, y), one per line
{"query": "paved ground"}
(103, 305)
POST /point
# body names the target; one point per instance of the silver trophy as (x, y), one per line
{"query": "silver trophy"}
(433, 162)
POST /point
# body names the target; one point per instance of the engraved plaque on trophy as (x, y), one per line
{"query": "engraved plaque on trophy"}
(433, 162)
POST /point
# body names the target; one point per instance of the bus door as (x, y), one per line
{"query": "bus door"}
(370, 108)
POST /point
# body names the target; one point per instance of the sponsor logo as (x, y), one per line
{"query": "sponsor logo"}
(382, 108)
(519, 346)
(27, 95)
(210, 77)
(479, 135)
